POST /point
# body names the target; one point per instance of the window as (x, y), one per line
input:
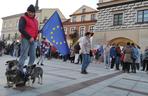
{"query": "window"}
(4, 25)
(8, 36)
(17, 23)
(73, 29)
(118, 19)
(3, 37)
(74, 19)
(93, 17)
(65, 30)
(82, 31)
(142, 16)
(10, 24)
(82, 18)
(91, 28)
(16, 36)
(83, 10)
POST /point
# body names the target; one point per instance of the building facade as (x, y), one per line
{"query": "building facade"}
(122, 21)
(10, 23)
(81, 21)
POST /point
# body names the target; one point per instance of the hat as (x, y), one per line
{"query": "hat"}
(31, 8)
(92, 33)
(87, 33)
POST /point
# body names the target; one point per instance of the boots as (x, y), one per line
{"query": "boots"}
(84, 72)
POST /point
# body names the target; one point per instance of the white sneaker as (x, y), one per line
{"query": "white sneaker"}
(111, 69)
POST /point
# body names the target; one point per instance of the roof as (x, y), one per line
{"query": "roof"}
(79, 11)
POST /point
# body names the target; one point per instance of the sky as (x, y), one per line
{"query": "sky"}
(67, 7)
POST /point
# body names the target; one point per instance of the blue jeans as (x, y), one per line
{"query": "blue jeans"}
(107, 60)
(117, 62)
(27, 48)
(85, 61)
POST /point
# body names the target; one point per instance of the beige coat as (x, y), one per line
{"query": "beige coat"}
(127, 56)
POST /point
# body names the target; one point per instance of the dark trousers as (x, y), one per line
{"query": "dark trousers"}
(145, 65)
(126, 66)
(65, 58)
(80, 59)
(133, 66)
(137, 66)
(117, 62)
(72, 59)
(113, 62)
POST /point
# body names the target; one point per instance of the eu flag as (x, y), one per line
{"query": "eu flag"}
(54, 32)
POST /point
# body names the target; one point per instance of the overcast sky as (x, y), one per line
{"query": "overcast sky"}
(67, 7)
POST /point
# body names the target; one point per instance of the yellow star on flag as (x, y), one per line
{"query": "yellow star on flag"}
(51, 32)
(53, 41)
(53, 28)
(51, 37)
(60, 43)
(57, 43)
(57, 26)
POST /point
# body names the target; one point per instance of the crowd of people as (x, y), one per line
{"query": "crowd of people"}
(129, 57)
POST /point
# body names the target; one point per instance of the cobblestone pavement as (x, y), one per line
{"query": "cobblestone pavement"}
(64, 79)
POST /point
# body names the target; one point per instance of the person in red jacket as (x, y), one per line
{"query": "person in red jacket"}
(28, 27)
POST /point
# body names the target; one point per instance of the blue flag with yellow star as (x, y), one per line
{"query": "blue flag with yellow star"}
(54, 32)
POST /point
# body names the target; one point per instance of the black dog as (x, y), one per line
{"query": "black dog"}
(34, 72)
(13, 75)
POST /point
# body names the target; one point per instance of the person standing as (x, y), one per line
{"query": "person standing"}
(145, 60)
(76, 51)
(127, 57)
(85, 50)
(107, 56)
(38, 48)
(118, 55)
(113, 55)
(43, 50)
(138, 61)
(134, 57)
(72, 55)
(28, 27)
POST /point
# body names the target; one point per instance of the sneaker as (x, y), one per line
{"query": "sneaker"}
(134, 72)
(111, 69)
(42, 64)
(83, 72)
